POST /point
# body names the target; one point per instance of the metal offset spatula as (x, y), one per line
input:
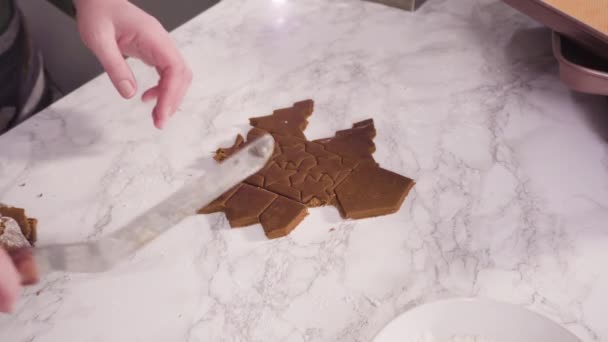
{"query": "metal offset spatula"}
(101, 255)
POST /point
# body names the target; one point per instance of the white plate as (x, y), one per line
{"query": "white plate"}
(494, 321)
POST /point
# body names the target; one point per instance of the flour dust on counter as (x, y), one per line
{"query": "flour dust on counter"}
(16, 229)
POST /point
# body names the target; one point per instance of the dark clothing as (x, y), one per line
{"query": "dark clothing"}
(25, 88)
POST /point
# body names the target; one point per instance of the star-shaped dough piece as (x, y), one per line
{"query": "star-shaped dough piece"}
(338, 171)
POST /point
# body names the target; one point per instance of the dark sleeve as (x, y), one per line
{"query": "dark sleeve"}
(66, 6)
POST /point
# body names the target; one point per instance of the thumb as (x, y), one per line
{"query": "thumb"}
(107, 51)
(9, 282)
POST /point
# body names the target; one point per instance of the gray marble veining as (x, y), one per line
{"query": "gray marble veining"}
(511, 171)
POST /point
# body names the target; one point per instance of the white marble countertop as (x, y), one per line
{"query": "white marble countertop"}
(511, 168)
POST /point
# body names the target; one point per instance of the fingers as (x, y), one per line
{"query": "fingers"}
(174, 81)
(105, 47)
(150, 94)
(9, 283)
(175, 76)
(24, 262)
(150, 42)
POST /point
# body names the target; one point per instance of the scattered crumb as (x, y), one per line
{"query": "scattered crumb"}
(38, 292)
(332, 229)
(39, 195)
(22, 185)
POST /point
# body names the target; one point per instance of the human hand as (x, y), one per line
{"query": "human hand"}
(17, 268)
(113, 28)
(9, 283)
